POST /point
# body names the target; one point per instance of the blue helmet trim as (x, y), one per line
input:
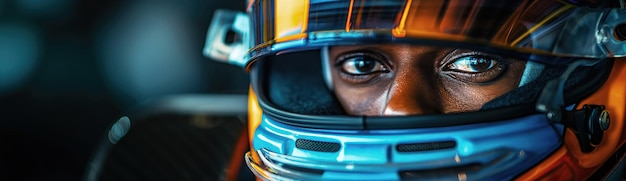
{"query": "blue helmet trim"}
(499, 150)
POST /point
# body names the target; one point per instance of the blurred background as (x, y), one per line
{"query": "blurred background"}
(69, 68)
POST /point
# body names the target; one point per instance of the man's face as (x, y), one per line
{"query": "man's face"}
(395, 79)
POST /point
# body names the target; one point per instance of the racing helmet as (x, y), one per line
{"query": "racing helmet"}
(563, 118)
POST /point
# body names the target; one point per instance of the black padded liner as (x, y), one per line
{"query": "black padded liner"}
(295, 83)
(529, 93)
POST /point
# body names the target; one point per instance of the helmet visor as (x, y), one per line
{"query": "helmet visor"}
(545, 28)
(320, 87)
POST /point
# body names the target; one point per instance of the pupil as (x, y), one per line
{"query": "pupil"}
(479, 64)
(364, 65)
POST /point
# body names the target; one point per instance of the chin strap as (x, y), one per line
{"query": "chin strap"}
(588, 124)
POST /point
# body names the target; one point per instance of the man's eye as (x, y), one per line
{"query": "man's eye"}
(473, 64)
(476, 68)
(361, 65)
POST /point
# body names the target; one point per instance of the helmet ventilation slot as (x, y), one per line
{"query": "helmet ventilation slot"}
(320, 146)
(416, 147)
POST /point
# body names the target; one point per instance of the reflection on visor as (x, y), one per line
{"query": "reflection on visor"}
(548, 27)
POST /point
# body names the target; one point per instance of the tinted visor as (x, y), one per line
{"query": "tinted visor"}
(547, 28)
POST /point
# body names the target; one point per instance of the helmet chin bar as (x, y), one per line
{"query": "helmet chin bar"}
(588, 123)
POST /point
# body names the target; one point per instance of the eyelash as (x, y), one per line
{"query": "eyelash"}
(496, 68)
(360, 78)
(491, 74)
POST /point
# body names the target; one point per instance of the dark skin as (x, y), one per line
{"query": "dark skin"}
(397, 79)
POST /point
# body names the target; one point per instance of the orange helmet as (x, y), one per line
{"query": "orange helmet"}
(564, 119)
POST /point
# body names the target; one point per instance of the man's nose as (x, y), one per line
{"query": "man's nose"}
(410, 95)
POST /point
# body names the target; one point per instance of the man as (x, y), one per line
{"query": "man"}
(400, 79)
(410, 89)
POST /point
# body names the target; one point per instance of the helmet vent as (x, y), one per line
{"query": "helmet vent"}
(415, 147)
(320, 146)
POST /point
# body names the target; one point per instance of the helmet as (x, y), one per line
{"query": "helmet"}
(415, 89)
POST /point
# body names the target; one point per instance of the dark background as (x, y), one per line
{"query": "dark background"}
(69, 68)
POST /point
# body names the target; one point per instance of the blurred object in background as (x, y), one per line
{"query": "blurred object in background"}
(49, 10)
(149, 50)
(22, 25)
(188, 137)
(19, 55)
(69, 68)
